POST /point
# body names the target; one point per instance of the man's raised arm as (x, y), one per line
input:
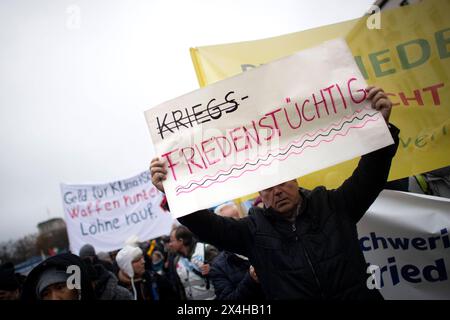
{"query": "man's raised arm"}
(359, 191)
(225, 233)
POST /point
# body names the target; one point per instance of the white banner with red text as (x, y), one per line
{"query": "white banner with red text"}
(106, 215)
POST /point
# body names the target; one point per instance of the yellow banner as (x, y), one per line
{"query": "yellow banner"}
(408, 56)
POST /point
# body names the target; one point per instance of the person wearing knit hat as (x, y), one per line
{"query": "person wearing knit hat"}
(53, 282)
(87, 251)
(131, 263)
(50, 280)
(144, 284)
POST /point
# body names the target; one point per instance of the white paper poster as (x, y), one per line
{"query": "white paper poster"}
(271, 124)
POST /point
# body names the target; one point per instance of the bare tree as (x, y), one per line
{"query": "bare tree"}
(6, 251)
(17, 251)
(25, 247)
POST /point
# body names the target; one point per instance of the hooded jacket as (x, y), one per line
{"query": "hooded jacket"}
(61, 262)
(124, 260)
(318, 255)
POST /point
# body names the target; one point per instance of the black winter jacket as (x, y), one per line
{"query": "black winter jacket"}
(318, 256)
(231, 279)
(61, 262)
(107, 286)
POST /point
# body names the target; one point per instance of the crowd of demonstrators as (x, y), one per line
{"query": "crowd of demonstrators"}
(293, 244)
(304, 244)
(135, 272)
(231, 274)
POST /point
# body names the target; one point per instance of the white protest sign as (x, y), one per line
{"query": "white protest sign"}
(106, 215)
(271, 124)
(406, 236)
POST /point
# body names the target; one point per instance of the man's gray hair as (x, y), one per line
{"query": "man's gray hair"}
(219, 208)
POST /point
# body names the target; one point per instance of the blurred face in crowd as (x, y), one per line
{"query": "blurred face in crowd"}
(230, 211)
(283, 198)
(138, 266)
(9, 295)
(166, 243)
(175, 245)
(59, 291)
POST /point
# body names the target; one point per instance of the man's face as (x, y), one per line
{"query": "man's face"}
(138, 266)
(283, 198)
(59, 291)
(175, 245)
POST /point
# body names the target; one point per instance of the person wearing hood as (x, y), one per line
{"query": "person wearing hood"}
(50, 280)
(304, 244)
(144, 284)
(105, 283)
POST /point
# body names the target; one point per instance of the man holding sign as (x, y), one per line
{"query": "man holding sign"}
(259, 131)
(304, 244)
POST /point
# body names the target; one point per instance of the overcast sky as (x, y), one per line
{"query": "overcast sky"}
(72, 99)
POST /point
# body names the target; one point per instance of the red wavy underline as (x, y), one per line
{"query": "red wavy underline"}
(287, 156)
(270, 150)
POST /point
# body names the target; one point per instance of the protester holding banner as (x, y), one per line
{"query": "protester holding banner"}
(304, 245)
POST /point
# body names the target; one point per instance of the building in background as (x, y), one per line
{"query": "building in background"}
(52, 238)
